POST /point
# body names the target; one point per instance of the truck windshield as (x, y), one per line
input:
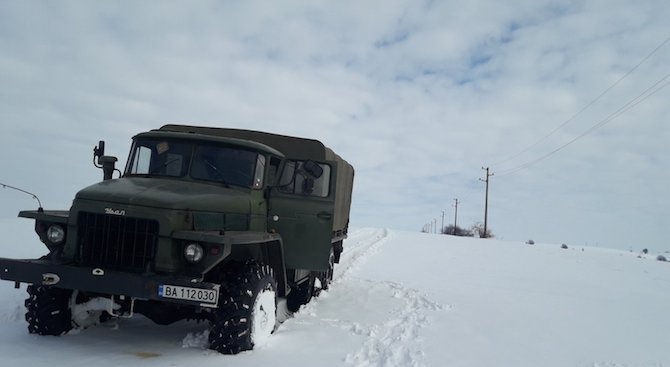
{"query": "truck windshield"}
(208, 162)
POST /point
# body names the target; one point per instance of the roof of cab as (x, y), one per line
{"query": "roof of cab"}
(291, 147)
(253, 145)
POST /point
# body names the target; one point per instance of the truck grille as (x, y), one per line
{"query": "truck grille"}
(116, 242)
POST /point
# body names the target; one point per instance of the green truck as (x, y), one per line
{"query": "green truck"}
(204, 223)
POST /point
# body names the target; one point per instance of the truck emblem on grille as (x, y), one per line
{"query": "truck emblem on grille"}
(114, 211)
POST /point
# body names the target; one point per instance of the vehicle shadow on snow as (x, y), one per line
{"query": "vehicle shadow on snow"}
(118, 339)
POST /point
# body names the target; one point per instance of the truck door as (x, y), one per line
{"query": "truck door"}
(301, 210)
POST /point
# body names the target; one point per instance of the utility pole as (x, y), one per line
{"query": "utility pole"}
(455, 214)
(435, 225)
(442, 228)
(486, 201)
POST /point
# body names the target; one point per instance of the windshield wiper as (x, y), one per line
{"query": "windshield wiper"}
(218, 173)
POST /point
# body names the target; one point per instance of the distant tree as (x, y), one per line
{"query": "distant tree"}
(456, 231)
(478, 230)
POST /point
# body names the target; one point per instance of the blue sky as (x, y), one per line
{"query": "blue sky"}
(418, 96)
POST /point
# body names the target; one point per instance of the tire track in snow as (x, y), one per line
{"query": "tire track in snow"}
(357, 248)
(396, 341)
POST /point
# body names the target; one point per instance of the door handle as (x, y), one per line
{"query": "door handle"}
(325, 215)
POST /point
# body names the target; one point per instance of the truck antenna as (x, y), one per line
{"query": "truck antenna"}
(5, 186)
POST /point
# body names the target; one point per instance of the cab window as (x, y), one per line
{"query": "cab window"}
(159, 158)
(228, 165)
(294, 180)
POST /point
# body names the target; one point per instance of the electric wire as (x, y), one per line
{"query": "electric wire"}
(650, 91)
(585, 107)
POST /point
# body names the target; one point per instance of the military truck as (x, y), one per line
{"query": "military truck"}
(210, 224)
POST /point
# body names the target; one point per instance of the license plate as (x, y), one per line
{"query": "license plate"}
(206, 297)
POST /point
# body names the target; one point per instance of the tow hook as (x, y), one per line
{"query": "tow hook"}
(125, 308)
(50, 279)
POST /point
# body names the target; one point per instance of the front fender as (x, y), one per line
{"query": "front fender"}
(220, 246)
(52, 216)
(44, 219)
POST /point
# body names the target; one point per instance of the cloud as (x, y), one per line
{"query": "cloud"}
(417, 95)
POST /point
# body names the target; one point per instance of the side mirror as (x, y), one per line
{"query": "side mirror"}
(99, 151)
(100, 160)
(313, 169)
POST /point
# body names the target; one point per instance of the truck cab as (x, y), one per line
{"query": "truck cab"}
(201, 222)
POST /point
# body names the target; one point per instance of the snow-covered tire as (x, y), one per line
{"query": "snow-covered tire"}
(48, 310)
(247, 312)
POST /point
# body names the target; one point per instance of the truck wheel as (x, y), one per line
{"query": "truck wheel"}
(326, 277)
(48, 310)
(302, 294)
(247, 311)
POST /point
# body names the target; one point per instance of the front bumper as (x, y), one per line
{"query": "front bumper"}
(138, 286)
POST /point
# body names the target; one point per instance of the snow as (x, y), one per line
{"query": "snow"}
(413, 299)
(264, 317)
(88, 313)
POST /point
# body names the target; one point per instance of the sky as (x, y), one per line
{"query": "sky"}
(417, 95)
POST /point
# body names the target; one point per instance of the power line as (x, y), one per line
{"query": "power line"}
(587, 105)
(625, 108)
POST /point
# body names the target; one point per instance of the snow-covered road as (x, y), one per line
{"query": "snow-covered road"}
(411, 299)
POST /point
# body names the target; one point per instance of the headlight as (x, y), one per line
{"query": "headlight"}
(56, 234)
(193, 252)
